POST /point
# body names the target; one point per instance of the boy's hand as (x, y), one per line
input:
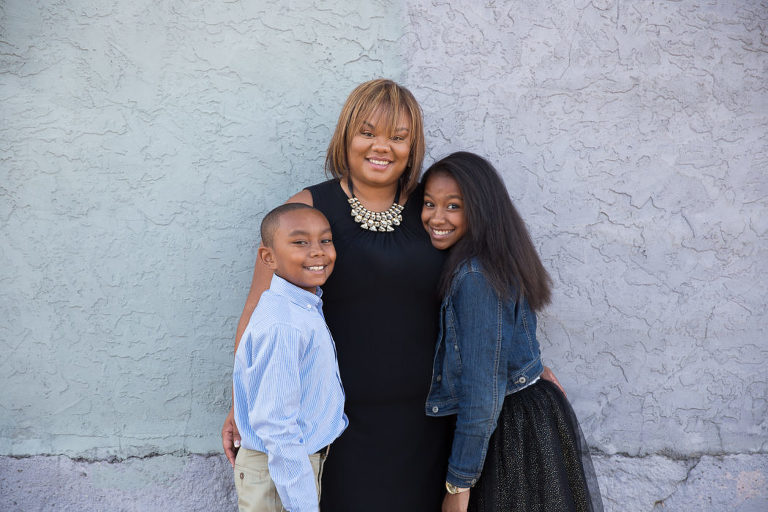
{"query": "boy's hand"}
(456, 502)
(230, 437)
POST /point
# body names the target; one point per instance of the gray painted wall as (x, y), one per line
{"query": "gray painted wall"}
(141, 142)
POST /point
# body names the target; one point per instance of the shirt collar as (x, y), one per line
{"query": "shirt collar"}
(298, 296)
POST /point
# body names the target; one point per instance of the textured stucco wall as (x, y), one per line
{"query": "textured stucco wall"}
(140, 143)
(634, 138)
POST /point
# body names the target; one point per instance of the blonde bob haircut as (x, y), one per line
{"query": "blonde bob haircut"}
(393, 101)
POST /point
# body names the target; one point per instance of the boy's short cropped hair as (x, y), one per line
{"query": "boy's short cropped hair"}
(272, 220)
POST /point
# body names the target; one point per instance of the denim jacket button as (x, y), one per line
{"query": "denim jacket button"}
(521, 380)
(435, 409)
(439, 378)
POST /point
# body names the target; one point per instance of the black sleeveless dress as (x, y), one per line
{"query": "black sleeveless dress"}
(381, 305)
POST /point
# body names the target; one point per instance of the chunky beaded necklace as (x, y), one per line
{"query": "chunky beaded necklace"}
(375, 221)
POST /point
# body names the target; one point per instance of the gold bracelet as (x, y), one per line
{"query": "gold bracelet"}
(452, 489)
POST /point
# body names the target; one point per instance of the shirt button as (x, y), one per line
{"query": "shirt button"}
(435, 409)
(439, 378)
(309, 306)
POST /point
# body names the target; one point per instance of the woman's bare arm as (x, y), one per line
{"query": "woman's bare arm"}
(262, 276)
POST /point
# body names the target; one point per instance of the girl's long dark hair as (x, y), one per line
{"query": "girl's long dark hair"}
(496, 234)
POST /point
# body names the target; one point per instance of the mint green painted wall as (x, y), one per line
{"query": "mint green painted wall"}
(141, 143)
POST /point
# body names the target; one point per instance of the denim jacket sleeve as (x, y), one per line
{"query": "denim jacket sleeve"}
(477, 311)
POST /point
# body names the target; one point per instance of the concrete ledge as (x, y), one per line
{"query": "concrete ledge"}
(736, 483)
(165, 483)
(168, 483)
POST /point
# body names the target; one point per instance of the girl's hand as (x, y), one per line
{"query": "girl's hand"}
(548, 375)
(456, 502)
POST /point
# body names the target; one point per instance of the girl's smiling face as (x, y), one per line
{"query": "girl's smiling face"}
(443, 211)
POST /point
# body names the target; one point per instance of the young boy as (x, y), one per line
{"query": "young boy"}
(289, 402)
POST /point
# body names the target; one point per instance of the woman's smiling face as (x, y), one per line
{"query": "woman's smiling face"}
(376, 155)
(443, 211)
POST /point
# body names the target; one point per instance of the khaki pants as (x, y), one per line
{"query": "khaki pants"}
(255, 490)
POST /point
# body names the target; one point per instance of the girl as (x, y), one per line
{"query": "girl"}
(517, 445)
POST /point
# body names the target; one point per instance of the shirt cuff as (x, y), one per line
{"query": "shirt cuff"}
(460, 482)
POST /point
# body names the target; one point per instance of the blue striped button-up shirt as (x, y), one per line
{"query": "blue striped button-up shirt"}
(289, 402)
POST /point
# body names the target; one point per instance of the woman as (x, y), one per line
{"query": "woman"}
(380, 304)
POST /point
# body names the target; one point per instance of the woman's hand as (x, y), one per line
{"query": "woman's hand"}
(548, 375)
(456, 502)
(230, 437)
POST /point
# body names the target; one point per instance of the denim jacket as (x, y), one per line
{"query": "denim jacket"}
(486, 350)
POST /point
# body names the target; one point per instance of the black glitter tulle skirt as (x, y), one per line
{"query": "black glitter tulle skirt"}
(537, 458)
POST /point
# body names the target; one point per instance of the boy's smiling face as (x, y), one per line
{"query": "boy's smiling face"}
(302, 250)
